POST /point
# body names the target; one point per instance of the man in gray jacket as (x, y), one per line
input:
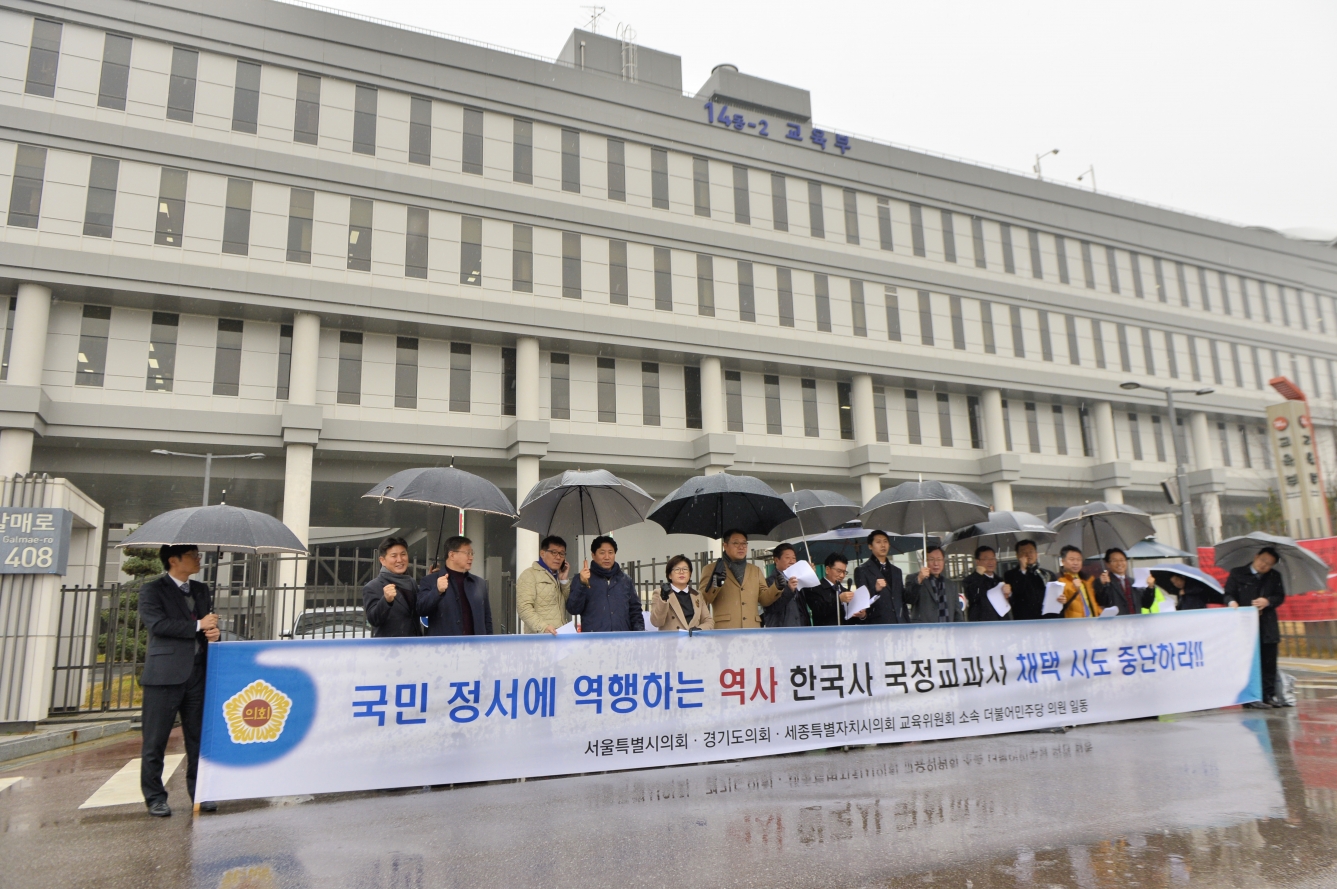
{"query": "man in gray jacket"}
(933, 598)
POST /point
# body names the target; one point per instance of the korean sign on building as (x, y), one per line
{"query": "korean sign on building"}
(34, 540)
(1299, 477)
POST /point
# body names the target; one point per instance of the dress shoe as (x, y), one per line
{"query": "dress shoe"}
(160, 809)
(209, 806)
(1257, 705)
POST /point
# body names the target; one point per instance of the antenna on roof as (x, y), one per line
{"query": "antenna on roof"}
(628, 38)
(593, 24)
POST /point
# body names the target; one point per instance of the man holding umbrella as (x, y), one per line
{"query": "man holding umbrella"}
(454, 601)
(1258, 585)
(736, 588)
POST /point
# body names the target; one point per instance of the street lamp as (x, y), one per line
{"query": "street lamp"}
(1090, 171)
(1040, 157)
(209, 463)
(1186, 527)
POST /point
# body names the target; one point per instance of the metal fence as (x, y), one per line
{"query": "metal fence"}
(1309, 639)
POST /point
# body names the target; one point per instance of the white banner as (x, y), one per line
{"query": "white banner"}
(319, 716)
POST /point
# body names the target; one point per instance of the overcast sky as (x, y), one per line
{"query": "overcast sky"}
(1220, 108)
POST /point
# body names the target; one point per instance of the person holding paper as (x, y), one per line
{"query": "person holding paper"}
(1079, 595)
(883, 579)
(789, 608)
(1025, 584)
(979, 604)
(603, 596)
(934, 598)
(678, 606)
(1258, 585)
(542, 588)
(825, 600)
(736, 589)
(1117, 589)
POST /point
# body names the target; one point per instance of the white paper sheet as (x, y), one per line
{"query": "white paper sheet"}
(1052, 605)
(860, 601)
(1142, 577)
(807, 578)
(999, 601)
(568, 627)
(1112, 611)
(1168, 603)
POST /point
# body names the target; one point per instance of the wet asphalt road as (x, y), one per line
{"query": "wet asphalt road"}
(1227, 798)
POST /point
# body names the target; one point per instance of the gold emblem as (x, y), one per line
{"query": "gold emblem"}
(256, 714)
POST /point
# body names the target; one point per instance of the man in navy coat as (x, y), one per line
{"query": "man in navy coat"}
(454, 601)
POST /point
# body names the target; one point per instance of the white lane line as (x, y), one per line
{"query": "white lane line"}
(122, 788)
(9, 782)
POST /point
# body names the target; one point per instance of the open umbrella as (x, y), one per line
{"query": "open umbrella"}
(1301, 570)
(446, 487)
(1154, 549)
(923, 505)
(814, 511)
(1161, 572)
(224, 529)
(583, 502)
(850, 542)
(1003, 530)
(1096, 527)
(712, 504)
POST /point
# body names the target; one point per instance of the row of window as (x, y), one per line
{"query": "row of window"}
(44, 57)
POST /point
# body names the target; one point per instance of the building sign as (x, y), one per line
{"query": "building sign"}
(34, 540)
(1300, 480)
(762, 127)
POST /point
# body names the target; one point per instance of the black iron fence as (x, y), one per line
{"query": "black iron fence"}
(1309, 639)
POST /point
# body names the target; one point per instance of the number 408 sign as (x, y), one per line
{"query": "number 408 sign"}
(34, 540)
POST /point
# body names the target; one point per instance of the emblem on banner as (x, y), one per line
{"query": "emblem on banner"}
(256, 714)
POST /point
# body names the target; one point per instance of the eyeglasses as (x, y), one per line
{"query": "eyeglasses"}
(682, 568)
(559, 553)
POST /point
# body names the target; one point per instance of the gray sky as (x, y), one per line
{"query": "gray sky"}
(1221, 108)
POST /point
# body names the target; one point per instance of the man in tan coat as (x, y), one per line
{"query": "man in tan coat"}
(542, 589)
(737, 588)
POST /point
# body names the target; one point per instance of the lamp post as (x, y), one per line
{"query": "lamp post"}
(209, 463)
(1090, 171)
(1186, 527)
(1040, 157)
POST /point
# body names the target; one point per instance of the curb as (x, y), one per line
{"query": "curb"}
(56, 737)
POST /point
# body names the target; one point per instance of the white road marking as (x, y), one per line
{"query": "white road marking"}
(9, 782)
(122, 788)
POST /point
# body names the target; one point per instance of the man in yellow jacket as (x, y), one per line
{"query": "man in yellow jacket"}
(1079, 594)
(736, 588)
(542, 589)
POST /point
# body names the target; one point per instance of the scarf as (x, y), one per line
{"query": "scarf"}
(607, 574)
(544, 565)
(403, 582)
(939, 592)
(738, 568)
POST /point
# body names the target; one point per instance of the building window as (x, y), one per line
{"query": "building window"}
(306, 115)
(816, 213)
(350, 367)
(1125, 354)
(1244, 447)
(461, 377)
(1033, 427)
(771, 383)
(43, 59)
(851, 216)
(986, 327)
(359, 234)
(227, 357)
(560, 391)
(115, 79)
(1225, 297)
(917, 230)
(663, 280)
(691, 388)
(1182, 280)
(858, 311)
(162, 353)
(181, 85)
(822, 292)
(784, 286)
(1158, 437)
(948, 236)
(958, 323)
(912, 429)
(619, 290)
(976, 422)
(406, 371)
(1018, 334)
(977, 241)
(522, 258)
(1037, 261)
(1112, 264)
(1098, 342)
(1060, 430)
(925, 318)
(25, 197)
(747, 298)
(284, 377)
(893, 312)
(416, 242)
(471, 251)
(1204, 293)
(93, 330)
(1009, 260)
(100, 205)
(571, 287)
(571, 161)
(1089, 267)
(237, 217)
(779, 203)
(1084, 423)
(701, 186)
(1172, 360)
(810, 408)
(845, 408)
(705, 285)
(364, 120)
(607, 384)
(617, 170)
(945, 419)
(649, 393)
(1061, 251)
(471, 150)
(1212, 347)
(301, 207)
(522, 152)
(1074, 344)
(1007, 426)
(246, 98)
(1147, 353)
(508, 382)
(659, 181)
(1135, 433)
(1135, 265)
(1158, 269)
(880, 414)
(420, 131)
(742, 201)
(1046, 341)
(884, 224)
(733, 400)
(171, 207)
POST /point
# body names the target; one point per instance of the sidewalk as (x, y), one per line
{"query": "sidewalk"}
(55, 736)
(1316, 665)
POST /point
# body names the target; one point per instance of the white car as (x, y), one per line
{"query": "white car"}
(330, 623)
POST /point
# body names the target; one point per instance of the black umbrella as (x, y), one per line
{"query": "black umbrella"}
(583, 502)
(224, 529)
(815, 511)
(1301, 570)
(919, 506)
(443, 486)
(1096, 527)
(1003, 530)
(713, 504)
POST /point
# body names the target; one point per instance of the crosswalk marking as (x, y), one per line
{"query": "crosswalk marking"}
(8, 782)
(122, 788)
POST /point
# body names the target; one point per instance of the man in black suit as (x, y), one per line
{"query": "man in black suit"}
(826, 601)
(454, 601)
(178, 613)
(1257, 584)
(883, 579)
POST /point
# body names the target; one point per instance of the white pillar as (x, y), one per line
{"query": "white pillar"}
(305, 359)
(712, 395)
(995, 443)
(297, 489)
(526, 467)
(865, 430)
(27, 356)
(1204, 457)
(1107, 450)
(299, 456)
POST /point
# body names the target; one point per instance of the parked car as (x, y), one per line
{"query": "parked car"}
(330, 623)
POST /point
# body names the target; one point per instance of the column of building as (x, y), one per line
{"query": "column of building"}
(1207, 480)
(23, 396)
(869, 458)
(302, 423)
(526, 458)
(1000, 468)
(1110, 475)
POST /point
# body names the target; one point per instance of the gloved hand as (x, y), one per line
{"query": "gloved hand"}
(719, 575)
(664, 591)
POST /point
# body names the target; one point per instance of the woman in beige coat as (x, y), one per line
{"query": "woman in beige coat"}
(678, 606)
